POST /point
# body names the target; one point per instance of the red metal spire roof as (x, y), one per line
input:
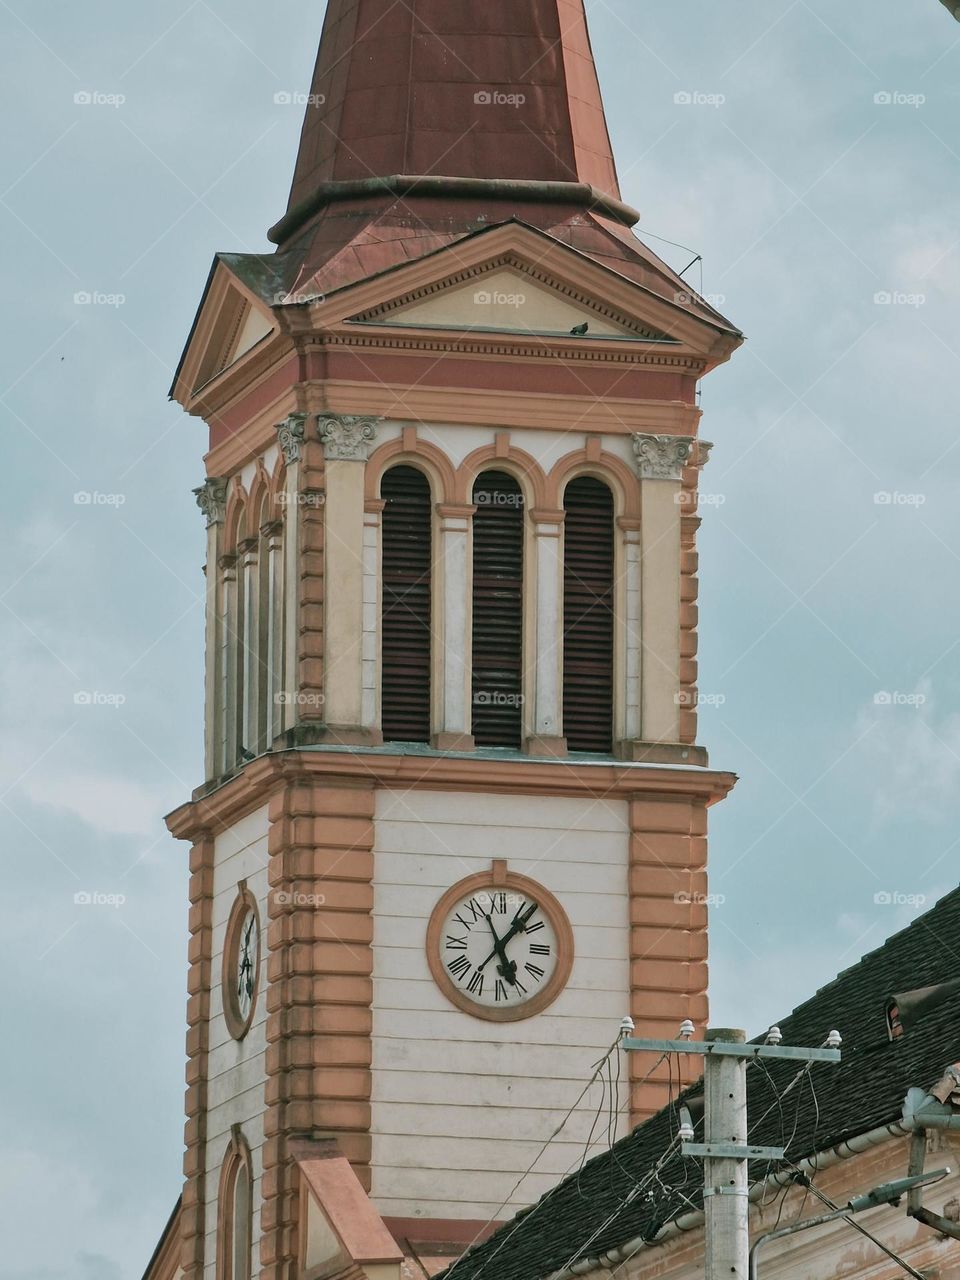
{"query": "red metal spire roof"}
(476, 89)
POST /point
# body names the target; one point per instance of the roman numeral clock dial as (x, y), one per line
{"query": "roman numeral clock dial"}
(500, 946)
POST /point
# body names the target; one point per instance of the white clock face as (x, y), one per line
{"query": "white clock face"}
(248, 946)
(498, 948)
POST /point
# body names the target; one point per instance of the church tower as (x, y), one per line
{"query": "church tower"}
(453, 826)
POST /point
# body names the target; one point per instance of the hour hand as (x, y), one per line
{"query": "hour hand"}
(507, 968)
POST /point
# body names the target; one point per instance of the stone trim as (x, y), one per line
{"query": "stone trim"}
(290, 436)
(668, 935)
(199, 980)
(212, 499)
(347, 437)
(319, 991)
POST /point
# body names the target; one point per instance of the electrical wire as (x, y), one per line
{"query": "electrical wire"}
(524, 1217)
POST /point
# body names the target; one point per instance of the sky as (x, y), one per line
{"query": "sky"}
(809, 152)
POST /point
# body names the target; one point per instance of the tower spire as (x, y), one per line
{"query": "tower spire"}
(450, 88)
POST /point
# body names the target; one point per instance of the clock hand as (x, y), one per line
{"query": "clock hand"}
(507, 967)
(519, 923)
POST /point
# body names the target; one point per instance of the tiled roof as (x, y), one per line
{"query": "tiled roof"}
(834, 1104)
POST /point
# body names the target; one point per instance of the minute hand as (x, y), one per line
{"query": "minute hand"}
(506, 968)
(519, 923)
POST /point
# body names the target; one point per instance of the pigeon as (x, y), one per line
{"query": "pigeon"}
(580, 330)
(246, 754)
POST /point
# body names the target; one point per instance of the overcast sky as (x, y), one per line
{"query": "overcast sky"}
(809, 197)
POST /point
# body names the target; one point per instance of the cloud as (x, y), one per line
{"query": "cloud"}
(107, 802)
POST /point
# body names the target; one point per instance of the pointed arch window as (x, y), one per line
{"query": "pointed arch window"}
(235, 1233)
(406, 607)
(498, 536)
(588, 616)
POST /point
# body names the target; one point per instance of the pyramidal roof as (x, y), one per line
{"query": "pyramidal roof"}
(501, 89)
(430, 121)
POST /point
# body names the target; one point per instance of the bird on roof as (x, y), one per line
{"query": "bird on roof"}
(580, 330)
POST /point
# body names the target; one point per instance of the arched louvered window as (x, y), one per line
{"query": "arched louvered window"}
(497, 610)
(588, 616)
(406, 634)
(235, 1226)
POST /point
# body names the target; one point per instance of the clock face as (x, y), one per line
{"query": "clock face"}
(499, 951)
(241, 964)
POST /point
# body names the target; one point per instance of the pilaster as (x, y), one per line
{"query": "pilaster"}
(547, 720)
(319, 992)
(453, 652)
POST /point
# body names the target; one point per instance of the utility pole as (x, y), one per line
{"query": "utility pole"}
(725, 1149)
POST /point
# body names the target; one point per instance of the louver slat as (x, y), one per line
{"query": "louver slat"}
(497, 610)
(405, 689)
(588, 616)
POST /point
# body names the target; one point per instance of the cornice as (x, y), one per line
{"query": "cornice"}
(214, 811)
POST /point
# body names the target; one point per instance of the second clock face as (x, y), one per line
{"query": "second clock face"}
(498, 948)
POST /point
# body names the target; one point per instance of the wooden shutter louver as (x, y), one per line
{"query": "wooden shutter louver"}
(497, 610)
(406, 605)
(588, 616)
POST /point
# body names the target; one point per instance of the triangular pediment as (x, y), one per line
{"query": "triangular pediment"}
(232, 321)
(507, 295)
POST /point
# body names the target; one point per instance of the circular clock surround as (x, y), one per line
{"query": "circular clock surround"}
(449, 943)
(240, 979)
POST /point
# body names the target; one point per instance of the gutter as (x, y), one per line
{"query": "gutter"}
(923, 1111)
(695, 1218)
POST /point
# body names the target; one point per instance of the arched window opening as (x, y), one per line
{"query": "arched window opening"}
(498, 528)
(235, 1233)
(406, 605)
(588, 616)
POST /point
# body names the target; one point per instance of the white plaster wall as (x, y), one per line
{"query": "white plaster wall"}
(461, 1106)
(236, 1069)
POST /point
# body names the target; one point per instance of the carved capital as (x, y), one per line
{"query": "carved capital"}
(347, 438)
(703, 451)
(290, 434)
(212, 499)
(661, 457)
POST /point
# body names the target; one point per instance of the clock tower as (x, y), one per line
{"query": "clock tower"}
(453, 826)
